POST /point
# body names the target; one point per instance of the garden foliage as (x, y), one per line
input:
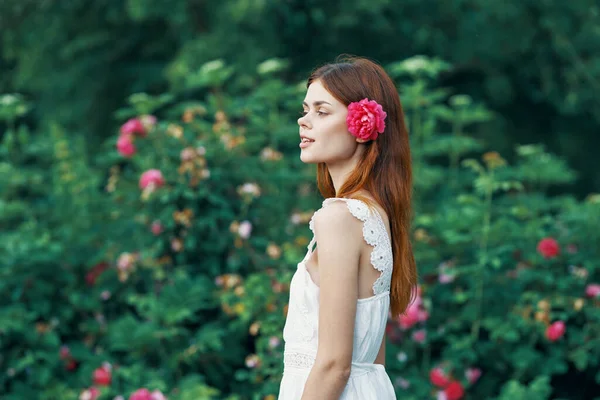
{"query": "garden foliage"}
(160, 266)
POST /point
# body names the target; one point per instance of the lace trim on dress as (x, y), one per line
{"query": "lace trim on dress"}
(375, 234)
(297, 360)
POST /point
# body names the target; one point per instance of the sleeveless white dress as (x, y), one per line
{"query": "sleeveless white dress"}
(368, 381)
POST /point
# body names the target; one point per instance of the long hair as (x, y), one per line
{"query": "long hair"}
(385, 168)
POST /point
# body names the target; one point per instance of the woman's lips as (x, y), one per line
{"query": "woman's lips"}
(304, 144)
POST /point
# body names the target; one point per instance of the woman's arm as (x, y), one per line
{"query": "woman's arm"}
(339, 239)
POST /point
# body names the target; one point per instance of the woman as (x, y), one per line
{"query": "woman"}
(352, 126)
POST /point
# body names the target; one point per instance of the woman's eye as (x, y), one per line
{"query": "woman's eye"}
(321, 113)
(303, 113)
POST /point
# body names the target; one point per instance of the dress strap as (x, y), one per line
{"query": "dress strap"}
(374, 233)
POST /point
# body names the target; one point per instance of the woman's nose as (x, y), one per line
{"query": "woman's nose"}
(303, 122)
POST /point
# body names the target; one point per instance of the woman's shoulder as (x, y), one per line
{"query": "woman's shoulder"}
(361, 206)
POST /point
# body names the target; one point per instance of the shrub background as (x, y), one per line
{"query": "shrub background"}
(181, 287)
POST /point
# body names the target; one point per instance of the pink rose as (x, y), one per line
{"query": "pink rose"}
(419, 336)
(555, 331)
(414, 313)
(592, 290)
(133, 127)
(125, 146)
(472, 374)
(141, 394)
(151, 177)
(90, 394)
(156, 228)
(102, 376)
(410, 318)
(366, 119)
(438, 377)
(157, 395)
(548, 248)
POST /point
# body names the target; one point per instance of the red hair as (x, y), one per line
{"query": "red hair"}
(385, 168)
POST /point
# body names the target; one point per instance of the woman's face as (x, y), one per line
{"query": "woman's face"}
(324, 122)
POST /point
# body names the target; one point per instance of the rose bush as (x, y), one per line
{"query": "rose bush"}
(162, 268)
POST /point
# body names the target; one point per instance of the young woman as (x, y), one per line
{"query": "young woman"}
(341, 294)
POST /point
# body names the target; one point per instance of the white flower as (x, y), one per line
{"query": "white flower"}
(245, 229)
(415, 63)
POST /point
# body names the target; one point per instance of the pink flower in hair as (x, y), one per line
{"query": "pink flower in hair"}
(366, 119)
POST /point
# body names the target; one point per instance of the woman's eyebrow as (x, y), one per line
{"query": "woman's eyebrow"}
(316, 103)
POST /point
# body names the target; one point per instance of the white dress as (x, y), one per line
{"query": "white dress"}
(368, 381)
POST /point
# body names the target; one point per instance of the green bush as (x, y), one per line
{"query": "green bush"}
(166, 265)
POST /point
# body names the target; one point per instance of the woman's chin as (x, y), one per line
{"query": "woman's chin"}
(307, 159)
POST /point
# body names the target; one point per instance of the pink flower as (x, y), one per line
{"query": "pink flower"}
(125, 146)
(252, 361)
(141, 394)
(126, 261)
(419, 336)
(548, 248)
(366, 119)
(90, 394)
(245, 229)
(401, 382)
(438, 377)
(592, 290)
(157, 395)
(555, 331)
(414, 313)
(274, 342)
(472, 374)
(65, 352)
(133, 127)
(148, 122)
(454, 391)
(102, 376)
(156, 228)
(445, 278)
(151, 177)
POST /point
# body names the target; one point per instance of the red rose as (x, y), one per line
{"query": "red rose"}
(438, 377)
(102, 376)
(548, 248)
(454, 391)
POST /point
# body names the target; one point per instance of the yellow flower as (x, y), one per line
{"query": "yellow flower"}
(175, 131)
(254, 328)
(543, 305)
(273, 251)
(493, 160)
(239, 308)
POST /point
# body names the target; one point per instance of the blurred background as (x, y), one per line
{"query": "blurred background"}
(153, 205)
